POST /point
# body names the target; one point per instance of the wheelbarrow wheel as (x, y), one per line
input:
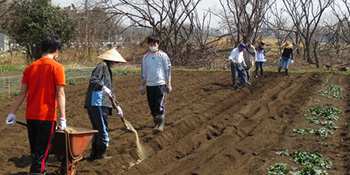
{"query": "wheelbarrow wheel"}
(71, 171)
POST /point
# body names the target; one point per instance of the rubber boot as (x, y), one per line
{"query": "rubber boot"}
(93, 152)
(279, 70)
(101, 152)
(286, 72)
(161, 122)
(155, 121)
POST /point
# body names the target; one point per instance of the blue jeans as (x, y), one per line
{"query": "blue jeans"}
(257, 65)
(284, 60)
(238, 71)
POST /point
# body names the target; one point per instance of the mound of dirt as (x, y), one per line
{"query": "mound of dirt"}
(210, 127)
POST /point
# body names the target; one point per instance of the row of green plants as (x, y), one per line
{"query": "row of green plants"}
(311, 162)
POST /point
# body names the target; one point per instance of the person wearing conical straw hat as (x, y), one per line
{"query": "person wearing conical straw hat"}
(98, 104)
(156, 76)
(287, 56)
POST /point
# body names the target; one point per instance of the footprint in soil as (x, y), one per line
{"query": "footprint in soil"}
(21, 162)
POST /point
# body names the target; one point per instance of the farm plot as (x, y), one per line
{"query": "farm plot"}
(210, 127)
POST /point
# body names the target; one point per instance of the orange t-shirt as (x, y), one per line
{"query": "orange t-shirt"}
(42, 76)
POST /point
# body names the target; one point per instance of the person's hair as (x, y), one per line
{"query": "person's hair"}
(153, 38)
(50, 44)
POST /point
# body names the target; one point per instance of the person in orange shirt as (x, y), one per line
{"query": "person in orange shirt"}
(43, 85)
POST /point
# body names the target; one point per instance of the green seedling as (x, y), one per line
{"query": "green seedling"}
(331, 91)
(327, 124)
(283, 153)
(322, 132)
(310, 159)
(278, 169)
(331, 113)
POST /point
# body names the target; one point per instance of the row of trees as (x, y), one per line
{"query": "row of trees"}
(306, 23)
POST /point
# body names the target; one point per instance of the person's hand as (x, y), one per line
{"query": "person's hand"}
(291, 61)
(142, 90)
(63, 124)
(11, 119)
(168, 88)
(119, 111)
(106, 91)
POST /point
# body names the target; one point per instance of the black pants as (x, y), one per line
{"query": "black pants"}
(156, 99)
(99, 120)
(41, 134)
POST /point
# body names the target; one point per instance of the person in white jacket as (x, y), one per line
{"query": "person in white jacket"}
(156, 76)
(260, 59)
(238, 65)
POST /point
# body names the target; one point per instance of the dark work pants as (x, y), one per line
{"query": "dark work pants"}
(236, 71)
(99, 119)
(156, 99)
(41, 134)
(259, 64)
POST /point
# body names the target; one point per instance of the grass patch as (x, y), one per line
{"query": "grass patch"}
(71, 81)
(11, 68)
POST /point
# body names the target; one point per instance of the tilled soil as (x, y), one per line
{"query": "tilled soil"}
(210, 127)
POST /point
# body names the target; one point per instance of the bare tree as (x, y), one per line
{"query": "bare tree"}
(306, 16)
(246, 16)
(165, 17)
(342, 12)
(279, 26)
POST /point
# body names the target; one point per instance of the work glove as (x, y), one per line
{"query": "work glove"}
(106, 91)
(11, 119)
(231, 60)
(63, 124)
(168, 88)
(120, 113)
(142, 90)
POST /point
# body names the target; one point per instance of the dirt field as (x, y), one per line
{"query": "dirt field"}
(210, 127)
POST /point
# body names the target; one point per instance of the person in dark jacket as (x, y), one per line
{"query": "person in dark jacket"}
(286, 57)
(98, 103)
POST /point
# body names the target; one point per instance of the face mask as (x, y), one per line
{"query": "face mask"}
(153, 49)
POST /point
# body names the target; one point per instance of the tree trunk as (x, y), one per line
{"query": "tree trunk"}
(308, 53)
(315, 54)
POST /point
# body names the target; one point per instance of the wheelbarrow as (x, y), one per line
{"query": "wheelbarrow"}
(69, 145)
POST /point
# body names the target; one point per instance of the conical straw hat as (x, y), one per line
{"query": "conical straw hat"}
(287, 44)
(112, 55)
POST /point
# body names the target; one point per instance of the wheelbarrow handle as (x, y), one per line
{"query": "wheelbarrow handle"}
(21, 123)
